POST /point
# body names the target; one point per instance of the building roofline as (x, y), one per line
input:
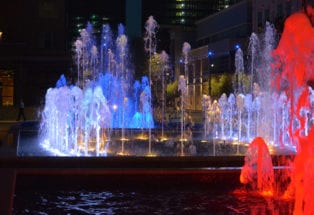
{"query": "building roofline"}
(222, 11)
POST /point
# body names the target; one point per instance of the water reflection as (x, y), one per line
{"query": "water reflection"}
(186, 200)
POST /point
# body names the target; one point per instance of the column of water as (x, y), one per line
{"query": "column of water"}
(150, 47)
(231, 102)
(165, 60)
(121, 45)
(182, 89)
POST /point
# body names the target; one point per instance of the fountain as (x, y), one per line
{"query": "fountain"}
(272, 113)
(292, 70)
(296, 66)
(80, 119)
(105, 114)
(258, 168)
(183, 90)
(165, 66)
(150, 46)
(241, 115)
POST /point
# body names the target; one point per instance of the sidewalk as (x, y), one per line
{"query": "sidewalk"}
(8, 115)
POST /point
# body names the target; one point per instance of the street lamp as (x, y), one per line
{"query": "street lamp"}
(210, 56)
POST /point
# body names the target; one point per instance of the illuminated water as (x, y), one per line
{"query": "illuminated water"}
(135, 146)
(77, 120)
(277, 110)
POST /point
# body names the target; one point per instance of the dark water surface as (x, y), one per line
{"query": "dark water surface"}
(166, 200)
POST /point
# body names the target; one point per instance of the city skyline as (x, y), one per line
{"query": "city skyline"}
(39, 33)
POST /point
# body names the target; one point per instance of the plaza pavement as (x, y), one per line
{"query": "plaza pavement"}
(8, 116)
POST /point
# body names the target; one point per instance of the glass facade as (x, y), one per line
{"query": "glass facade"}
(80, 22)
(183, 12)
(187, 12)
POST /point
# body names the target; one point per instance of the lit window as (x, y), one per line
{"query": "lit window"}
(7, 85)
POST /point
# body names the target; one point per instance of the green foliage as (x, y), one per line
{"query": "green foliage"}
(172, 89)
(241, 83)
(220, 84)
(156, 67)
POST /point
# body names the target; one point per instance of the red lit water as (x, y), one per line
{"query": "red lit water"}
(294, 71)
(258, 168)
(295, 52)
(293, 68)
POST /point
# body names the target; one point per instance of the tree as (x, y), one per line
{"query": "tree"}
(172, 92)
(220, 84)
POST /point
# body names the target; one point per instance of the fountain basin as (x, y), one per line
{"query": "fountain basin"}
(38, 173)
(27, 143)
(29, 175)
(34, 173)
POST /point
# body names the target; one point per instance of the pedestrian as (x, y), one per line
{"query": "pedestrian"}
(21, 111)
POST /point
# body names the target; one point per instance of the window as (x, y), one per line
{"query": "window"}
(6, 87)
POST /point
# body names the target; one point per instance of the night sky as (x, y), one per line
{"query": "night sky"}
(110, 8)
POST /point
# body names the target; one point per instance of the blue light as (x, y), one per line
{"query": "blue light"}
(181, 61)
(210, 54)
(237, 46)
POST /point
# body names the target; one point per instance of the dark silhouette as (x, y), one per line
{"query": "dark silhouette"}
(21, 111)
(308, 6)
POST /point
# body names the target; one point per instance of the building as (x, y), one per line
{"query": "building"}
(133, 12)
(33, 49)
(183, 12)
(36, 37)
(222, 32)
(274, 11)
(177, 20)
(218, 36)
(197, 80)
(36, 43)
(97, 12)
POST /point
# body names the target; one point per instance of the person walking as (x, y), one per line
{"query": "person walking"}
(21, 111)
